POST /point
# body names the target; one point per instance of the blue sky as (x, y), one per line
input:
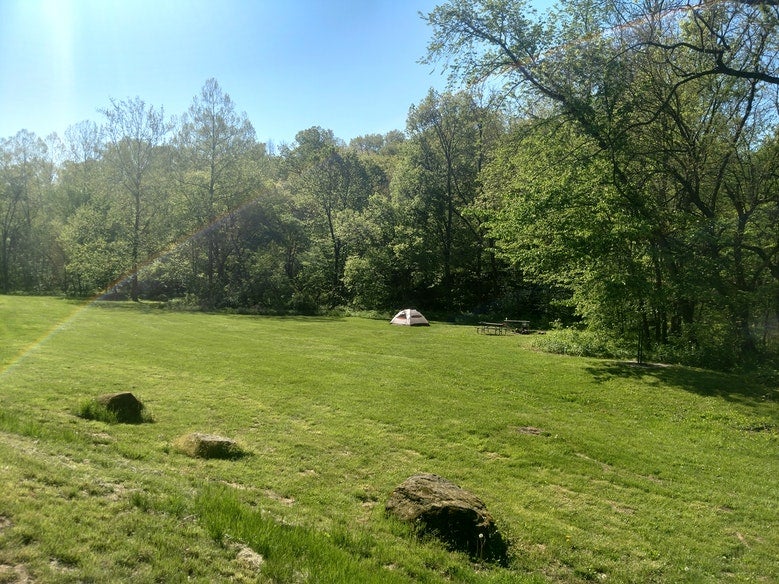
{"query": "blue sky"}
(346, 65)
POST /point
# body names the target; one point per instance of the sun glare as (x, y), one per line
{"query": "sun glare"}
(57, 23)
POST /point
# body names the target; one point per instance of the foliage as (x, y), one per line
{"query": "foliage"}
(217, 174)
(637, 178)
(583, 343)
(26, 175)
(97, 251)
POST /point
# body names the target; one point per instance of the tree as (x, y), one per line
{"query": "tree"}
(554, 213)
(96, 247)
(329, 183)
(25, 177)
(135, 133)
(736, 39)
(671, 142)
(451, 136)
(85, 148)
(217, 169)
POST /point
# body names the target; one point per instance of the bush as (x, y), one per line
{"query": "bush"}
(583, 343)
(188, 302)
(712, 349)
(707, 355)
(304, 303)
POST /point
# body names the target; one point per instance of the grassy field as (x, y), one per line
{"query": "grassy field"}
(594, 470)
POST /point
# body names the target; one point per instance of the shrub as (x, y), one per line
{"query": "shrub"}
(582, 343)
(188, 302)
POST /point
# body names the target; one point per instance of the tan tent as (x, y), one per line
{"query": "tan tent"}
(410, 317)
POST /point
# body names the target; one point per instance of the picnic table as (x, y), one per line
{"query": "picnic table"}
(492, 328)
(518, 326)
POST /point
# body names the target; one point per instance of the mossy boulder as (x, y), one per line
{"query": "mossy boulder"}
(459, 518)
(200, 445)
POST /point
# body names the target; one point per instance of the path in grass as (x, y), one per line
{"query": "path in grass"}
(595, 470)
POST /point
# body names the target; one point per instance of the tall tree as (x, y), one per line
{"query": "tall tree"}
(25, 177)
(135, 132)
(84, 150)
(96, 226)
(451, 136)
(217, 169)
(669, 136)
(329, 183)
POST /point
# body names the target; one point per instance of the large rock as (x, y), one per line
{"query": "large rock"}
(125, 406)
(459, 518)
(201, 445)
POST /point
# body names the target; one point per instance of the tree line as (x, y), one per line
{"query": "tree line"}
(613, 164)
(145, 206)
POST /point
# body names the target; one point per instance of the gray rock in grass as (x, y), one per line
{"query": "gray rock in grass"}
(201, 445)
(456, 516)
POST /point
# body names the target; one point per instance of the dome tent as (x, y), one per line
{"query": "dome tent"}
(409, 317)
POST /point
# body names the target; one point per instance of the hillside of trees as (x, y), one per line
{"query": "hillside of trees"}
(610, 164)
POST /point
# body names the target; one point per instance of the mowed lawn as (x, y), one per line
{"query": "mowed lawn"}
(594, 470)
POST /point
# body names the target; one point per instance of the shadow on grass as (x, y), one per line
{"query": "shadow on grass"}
(745, 389)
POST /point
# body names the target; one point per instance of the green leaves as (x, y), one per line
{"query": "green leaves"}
(636, 186)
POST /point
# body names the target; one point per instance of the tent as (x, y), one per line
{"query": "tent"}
(410, 317)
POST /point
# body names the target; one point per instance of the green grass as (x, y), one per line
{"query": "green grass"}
(594, 470)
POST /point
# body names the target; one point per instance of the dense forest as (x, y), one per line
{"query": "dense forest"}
(613, 165)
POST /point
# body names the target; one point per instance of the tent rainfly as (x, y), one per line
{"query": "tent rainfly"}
(410, 317)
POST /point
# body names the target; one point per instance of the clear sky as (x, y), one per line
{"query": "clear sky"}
(350, 66)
